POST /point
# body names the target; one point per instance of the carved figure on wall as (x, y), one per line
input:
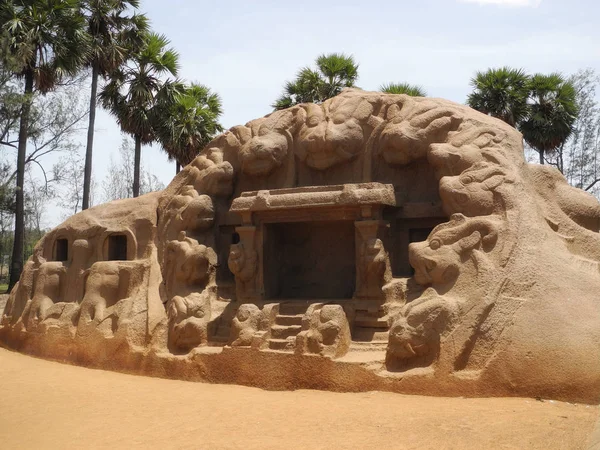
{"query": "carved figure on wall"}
(333, 133)
(270, 145)
(243, 264)
(374, 263)
(106, 285)
(412, 127)
(509, 220)
(49, 287)
(189, 288)
(325, 331)
(188, 320)
(416, 331)
(245, 325)
(439, 260)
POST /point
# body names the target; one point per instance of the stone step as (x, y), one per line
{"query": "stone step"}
(373, 346)
(364, 334)
(283, 319)
(293, 308)
(371, 322)
(284, 331)
(282, 344)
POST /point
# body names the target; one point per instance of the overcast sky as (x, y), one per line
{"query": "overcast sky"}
(246, 50)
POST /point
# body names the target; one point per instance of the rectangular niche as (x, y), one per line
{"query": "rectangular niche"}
(310, 260)
(117, 247)
(61, 250)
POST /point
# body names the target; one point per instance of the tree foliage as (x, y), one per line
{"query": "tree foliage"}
(552, 113)
(579, 157)
(542, 107)
(334, 72)
(501, 93)
(403, 88)
(188, 121)
(42, 41)
(114, 36)
(131, 95)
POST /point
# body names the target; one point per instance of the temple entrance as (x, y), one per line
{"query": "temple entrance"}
(310, 260)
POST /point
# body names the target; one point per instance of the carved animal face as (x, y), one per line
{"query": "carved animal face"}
(406, 341)
(198, 214)
(191, 261)
(412, 128)
(264, 153)
(473, 191)
(438, 260)
(237, 258)
(329, 138)
(212, 178)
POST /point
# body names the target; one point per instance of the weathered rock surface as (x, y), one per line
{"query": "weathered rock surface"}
(372, 242)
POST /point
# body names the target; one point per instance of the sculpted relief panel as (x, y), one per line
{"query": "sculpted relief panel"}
(500, 299)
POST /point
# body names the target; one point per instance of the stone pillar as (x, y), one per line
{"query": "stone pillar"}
(373, 269)
(244, 263)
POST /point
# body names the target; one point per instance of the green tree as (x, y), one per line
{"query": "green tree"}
(403, 88)
(501, 93)
(43, 41)
(114, 34)
(131, 93)
(552, 113)
(334, 72)
(188, 121)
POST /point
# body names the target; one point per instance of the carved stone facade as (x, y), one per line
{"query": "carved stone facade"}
(372, 242)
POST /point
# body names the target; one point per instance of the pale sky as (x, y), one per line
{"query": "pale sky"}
(246, 50)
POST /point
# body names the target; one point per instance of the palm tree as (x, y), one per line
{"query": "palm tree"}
(131, 94)
(501, 93)
(113, 35)
(187, 121)
(335, 72)
(403, 88)
(552, 113)
(44, 41)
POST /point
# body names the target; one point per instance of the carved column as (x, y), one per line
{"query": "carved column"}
(244, 262)
(372, 260)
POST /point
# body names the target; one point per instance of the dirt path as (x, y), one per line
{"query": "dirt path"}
(45, 404)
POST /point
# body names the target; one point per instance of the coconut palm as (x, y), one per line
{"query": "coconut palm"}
(131, 93)
(114, 35)
(552, 113)
(187, 121)
(44, 41)
(334, 72)
(501, 93)
(403, 88)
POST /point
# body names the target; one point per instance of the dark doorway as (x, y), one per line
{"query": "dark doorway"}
(117, 247)
(310, 260)
(62, 250)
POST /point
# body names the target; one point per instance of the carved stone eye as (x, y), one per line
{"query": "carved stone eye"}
(467, 179)
(434, 244)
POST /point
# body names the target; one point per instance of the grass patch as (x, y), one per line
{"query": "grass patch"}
(3, 288)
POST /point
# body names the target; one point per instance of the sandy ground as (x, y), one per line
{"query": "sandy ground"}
(45, 404)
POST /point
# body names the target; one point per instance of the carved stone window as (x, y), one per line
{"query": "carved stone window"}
(61, 250)
(117, 247)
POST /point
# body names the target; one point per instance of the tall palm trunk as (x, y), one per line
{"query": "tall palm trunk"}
(87, 175)
(136, 165)
(18, 245)
(177, 167)
(541, 156)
